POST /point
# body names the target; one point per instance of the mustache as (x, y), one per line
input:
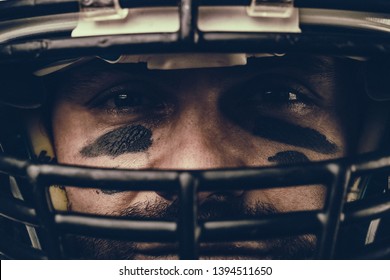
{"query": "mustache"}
(215, 207)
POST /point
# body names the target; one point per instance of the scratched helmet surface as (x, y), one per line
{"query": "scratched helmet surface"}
(46, 46)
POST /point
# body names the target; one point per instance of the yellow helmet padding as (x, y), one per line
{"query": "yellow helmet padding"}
(42, 147)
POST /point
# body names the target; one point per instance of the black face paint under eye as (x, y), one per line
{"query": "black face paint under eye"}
(128, 139)
(288, 157)
(292, 134)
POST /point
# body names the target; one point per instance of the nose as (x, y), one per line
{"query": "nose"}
(201, 196)
(197, 140)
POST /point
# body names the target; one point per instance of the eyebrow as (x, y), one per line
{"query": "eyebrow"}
(295, 135)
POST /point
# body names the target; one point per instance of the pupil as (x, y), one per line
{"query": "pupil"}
(122, 96)
(123, 100)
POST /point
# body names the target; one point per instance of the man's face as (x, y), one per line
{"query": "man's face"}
(278, 110)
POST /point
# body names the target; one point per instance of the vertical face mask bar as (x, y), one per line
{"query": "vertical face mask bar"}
(188, 224)
(31, 231)
(188, 19)
(332, 210)
(18, 211)
(373, 208)
(367, 211)
(51, 239)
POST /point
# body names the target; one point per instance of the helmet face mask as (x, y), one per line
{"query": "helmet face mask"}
(264, 141)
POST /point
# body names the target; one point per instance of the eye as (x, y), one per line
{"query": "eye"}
(276, 96)
(283, 96)
(130, 98)
(277, 99)
(276, 92)
(130, 102)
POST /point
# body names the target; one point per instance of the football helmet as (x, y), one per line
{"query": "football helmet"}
(41, 38)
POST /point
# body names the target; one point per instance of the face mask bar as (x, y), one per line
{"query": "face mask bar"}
(188, 231)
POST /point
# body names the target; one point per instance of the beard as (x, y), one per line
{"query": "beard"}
(217, 207)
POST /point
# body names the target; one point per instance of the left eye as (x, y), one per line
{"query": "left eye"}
(278, 99)
(126, 100)
(275, 96)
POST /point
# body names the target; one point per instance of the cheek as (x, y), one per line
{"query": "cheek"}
(93, 201)
(85, 200)
(71, 127)
(289, 199)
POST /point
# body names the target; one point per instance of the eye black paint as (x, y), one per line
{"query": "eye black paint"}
(288, 157)
(128, 139)
(292, 134)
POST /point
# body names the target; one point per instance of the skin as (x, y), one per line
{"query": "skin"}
(273, 111)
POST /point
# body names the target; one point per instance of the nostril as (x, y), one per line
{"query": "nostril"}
(220, 196)
(226, 194)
